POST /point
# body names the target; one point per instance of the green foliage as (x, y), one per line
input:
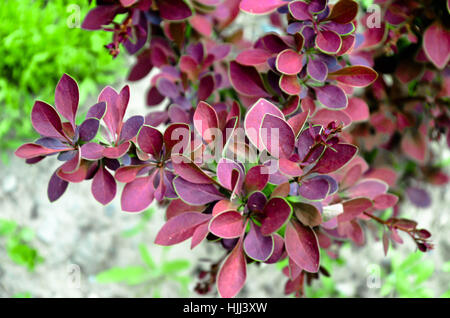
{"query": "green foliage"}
(18, 246)
(150, 274)
(22, 295)
(408, 276)
(40, 43)
(145, 217)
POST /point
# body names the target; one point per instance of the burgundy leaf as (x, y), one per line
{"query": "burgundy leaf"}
(290, 84)
(277, 136)
(56, 187)
(229, 224)
(92, 151)
(205, 121)
(246, 80)
(256, 179)
(88, 129)
(66, 98)
(180, 228)
(117, 152)
(308, 214)
(353, 208)
(46, 121)
(233, 273)
(302, 246)
(276, 212)
(299, 10)
(315, 188)
(436, 44)
(189, 171)
(174, 10)
(28, 151)
(332, 160)
(356, 76)
(137, 195)
(331, 96)
(150, 140)
(344, 11)
(328, 42)
(196, 194)
(103, 186)
(252, 57)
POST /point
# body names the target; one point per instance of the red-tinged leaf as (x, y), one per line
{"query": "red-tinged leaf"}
(260, 6)
(142, 67)
(351, 176)
(328, 42)
(299, 10)
(315, 188)
(92, 151)
(227, 225)
(436, 44)
(174, 10)
(30, 150)
(117, 152)
(252, 57)
(353, 231)
(282, 190)
(369, 188)
(200, 234)
(178, 206)
(276, 213)
(256, 179)
(291, 105)
(356, 76)
(138, 194)
(277, 136)
(46, 120)
(256, 202)
(353, 208)
(331, 96)
(128, 174)
(298, 121)
(154, 97)
(224, 205)
(224, 172)
(348, 43)
(72, 164)
(290, 84)
(385, 201)
(103, 186)
(415, 146)
(357, 109)
(189, 66)
(325, 116)
(180, 228)
(289, 168)
(202, 25)
(387, 175)
(189, 171)
(176, 138)
(308, 214)
(205, 121)
(246, 80)
(76, 176)
(150, 140)
(196, 194)
(66, 98)
(258, 246)
(302, 246)
(56, 187)
(317, 70)
(254, 117)
(344, 11)
(289, 62)
(332, 160)
(233, 273)
(385, 242)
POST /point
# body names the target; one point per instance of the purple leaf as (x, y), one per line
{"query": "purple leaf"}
(103, 186)
(111, 118)
(46, 121)
(356, 76)
(331, 96)
(302, 246)
(97, 111)
(276, 212)
(205, 87)
(419, 197)
(246, 80)
(229, 224)
(308, 214)
(278, 249)
(205, 121)
(299, 10)
(315, 188)
(180, 228)
(369, 188)
(28, 151)
(66, 98)
(258, 246)
(56, 187)
(344, 11)
(277, 136)
(88, 129)
(99, 16)
(196, 194)
(225, 169)
(117, 152)
(256, 202)
(256, 179)
(317, 70)
(131, 128)
(436, 44)
(189, 171)
(167, 88)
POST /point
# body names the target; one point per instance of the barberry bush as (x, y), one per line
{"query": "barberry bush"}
(278, 148)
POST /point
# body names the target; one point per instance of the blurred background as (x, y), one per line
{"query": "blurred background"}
(77, 248)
